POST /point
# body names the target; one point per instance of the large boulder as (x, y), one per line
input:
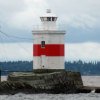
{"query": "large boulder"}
(53, 81)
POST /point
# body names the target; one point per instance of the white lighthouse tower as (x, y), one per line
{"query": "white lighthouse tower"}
(48, 47)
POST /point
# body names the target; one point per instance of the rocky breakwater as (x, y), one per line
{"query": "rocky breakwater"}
(42, 81)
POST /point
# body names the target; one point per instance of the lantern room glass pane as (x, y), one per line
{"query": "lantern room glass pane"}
(53, 18)
(48, 18)
(45, 18)
(41, 18)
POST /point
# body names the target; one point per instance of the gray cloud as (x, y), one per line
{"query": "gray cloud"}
(78, 17)
(77, 13)
(9, 7)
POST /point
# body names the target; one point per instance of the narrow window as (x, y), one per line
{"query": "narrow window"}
(42, 44)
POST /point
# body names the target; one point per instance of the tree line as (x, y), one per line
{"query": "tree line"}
(86, 68)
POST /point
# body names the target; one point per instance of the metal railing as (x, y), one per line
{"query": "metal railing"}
(40, 27)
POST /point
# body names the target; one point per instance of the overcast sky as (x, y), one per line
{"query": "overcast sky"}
(80, 18)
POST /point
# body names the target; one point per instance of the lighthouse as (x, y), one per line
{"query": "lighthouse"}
(49, 75)
(48, 44)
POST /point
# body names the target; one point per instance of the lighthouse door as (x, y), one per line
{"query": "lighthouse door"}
(43, 61)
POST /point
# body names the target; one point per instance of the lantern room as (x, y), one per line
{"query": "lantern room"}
(48, 20)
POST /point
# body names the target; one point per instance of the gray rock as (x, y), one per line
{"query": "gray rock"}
(49, 80)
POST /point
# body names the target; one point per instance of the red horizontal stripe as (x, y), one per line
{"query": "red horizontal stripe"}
(49, 50)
